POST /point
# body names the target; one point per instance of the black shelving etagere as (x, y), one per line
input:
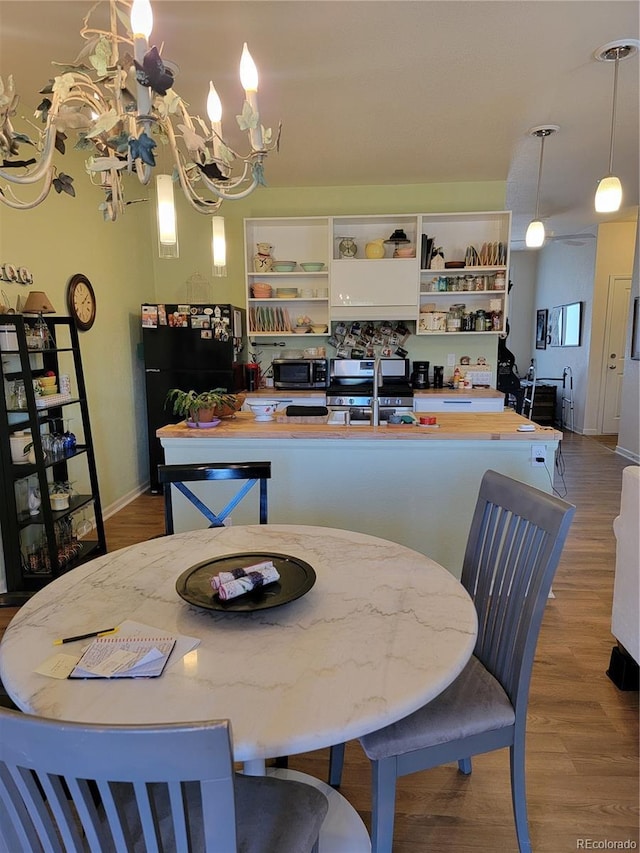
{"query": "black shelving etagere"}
(21, 361)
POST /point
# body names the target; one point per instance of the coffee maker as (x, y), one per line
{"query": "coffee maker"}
(420, 375)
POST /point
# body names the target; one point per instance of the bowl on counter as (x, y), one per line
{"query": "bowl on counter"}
(264, 410)
(283, 266)
(313, 266)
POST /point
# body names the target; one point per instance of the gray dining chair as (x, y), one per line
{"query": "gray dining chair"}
(178, 475)
(515, 541)
(75, 787)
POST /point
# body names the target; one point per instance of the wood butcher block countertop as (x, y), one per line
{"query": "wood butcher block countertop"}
(483, 426)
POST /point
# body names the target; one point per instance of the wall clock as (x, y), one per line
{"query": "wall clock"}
(81, 301)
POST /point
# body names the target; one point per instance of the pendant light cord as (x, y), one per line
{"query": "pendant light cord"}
(613, 109)
(543, 134)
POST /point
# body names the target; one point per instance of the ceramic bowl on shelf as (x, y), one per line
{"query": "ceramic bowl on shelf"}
(454, 265)
(313, 266)
(319, 328)
(261, 291)
(283, 266)
(264, 410)
(300, 330)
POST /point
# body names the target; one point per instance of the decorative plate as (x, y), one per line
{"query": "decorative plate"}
(296, 579)
(203, 424)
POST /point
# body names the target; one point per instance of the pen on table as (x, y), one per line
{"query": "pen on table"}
(102, 633)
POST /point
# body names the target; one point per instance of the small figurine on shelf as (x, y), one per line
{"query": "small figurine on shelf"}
(262, 260)
(437, 261)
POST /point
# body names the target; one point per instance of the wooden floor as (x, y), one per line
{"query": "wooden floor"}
(582, 757)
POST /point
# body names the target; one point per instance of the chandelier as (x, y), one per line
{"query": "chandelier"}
(122, 106)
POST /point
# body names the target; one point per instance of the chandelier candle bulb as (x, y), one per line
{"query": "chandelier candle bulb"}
(142, 24)
(249, 80)
(214, 111)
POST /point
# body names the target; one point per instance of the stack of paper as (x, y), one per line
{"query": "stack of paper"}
(124, 657)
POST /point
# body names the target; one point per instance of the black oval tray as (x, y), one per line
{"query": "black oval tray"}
(296, 579)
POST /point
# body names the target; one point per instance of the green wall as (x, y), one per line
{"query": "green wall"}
(64, 236)
(67, 235)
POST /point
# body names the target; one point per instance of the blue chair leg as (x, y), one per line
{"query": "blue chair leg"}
(464, 766)
(336, 763)
(383, 804)
(519, 795)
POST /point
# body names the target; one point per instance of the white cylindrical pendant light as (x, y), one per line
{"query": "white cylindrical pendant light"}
(609, 193)
(535, 235)
(219, 247)
(167, 227)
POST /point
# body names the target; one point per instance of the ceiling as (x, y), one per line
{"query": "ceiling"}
(397, 91)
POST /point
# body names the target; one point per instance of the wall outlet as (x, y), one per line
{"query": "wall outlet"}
(451, 359)
(538, 455)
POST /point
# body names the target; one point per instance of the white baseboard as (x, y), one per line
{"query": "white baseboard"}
(122, 502)
(628, 454)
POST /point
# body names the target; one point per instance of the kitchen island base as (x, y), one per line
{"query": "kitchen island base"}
(411, 485)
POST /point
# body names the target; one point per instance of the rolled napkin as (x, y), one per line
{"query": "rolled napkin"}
(240, 581)
(234, 574)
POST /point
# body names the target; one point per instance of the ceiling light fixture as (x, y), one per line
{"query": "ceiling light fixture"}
(535, 235)
(120, 105)
(609, 193)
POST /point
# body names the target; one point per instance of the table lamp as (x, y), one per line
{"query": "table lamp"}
(38, 303)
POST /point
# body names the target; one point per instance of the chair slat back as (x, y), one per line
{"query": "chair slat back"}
(67, 787)
(178, 475)
(515, 541)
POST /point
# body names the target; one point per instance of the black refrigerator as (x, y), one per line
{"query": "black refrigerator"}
(187, 346)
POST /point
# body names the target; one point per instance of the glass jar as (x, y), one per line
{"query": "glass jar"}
(19, 395)
(454, 318)
(480, 321)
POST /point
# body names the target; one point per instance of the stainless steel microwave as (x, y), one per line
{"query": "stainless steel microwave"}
(291, 374)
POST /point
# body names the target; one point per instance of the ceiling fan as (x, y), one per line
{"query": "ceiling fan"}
(570, 239)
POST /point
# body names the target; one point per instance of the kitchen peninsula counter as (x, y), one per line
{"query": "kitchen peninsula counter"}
(414, 485)
(485, 426)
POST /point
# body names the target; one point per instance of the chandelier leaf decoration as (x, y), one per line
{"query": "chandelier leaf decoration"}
(122, 108)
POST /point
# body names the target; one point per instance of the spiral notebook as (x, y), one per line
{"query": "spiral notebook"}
(124, 657)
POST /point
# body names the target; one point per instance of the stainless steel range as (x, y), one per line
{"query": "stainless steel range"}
(351, 389)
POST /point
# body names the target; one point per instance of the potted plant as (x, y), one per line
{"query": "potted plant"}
(204, 407)
(59, 495)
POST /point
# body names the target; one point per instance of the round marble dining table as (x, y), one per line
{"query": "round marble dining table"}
(383, 630)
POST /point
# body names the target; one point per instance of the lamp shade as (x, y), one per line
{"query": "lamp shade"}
(38, 303)
(219, 247)
(535, 235)
(608, 195)
(167, 225)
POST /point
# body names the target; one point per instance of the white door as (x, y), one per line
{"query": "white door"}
(615, 338)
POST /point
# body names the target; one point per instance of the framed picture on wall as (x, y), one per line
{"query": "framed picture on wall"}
(555, 327)
(541, 328)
